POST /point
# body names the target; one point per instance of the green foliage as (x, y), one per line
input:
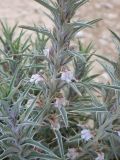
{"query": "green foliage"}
(51, 107)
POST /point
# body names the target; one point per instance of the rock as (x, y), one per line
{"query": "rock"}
(111, 16)
(105, 35)
(116, 2)
(104, 5)
(107, 5)
(103, 41)
(97, 5)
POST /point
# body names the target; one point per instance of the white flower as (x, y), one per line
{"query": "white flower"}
(100, 156)
(72, 154)
(118, 132)
(46, 52)
(86, 134)
(67, 76)
(60, 102)
(36, 78)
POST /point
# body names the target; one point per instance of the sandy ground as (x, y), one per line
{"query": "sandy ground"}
(28, 12)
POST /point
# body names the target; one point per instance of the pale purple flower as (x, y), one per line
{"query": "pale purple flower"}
(86, 134)
(67, 76)
(72, 153)
(60, 102)
(118, 132)
(36, 78)
(55, 126)
(100, 156)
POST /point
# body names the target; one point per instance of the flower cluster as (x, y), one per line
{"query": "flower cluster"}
(67, 76)
(86, 134)
(36, 78)
(59, 102)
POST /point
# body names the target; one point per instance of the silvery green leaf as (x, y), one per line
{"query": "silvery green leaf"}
(36, 144)
(64, 115)
(75, 138)
(34, 155)
(60, 143)
(91, 109)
